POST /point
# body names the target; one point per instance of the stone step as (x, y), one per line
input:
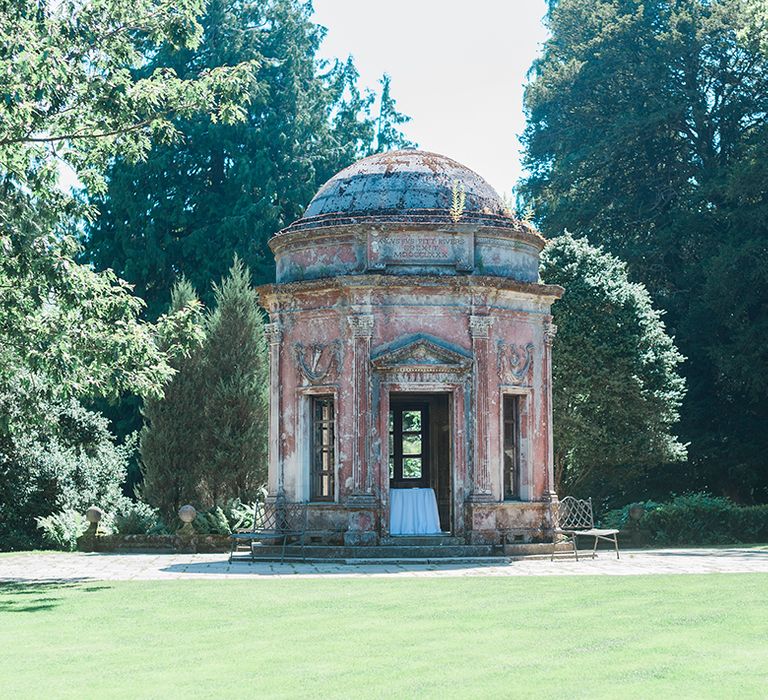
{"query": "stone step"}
(532, 549)
(405, 553)
(406, 561)
(378, 552)
(421, 540)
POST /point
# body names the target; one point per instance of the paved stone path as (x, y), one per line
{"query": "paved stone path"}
(61, 566)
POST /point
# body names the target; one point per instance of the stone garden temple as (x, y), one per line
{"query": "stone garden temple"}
(410, 358)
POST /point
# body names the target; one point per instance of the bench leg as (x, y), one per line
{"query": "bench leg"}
(616, 545)
(575, 547)
(594, 549)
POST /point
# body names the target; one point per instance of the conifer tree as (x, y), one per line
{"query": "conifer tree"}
(234, 395)
(225, 189)
(647, 134)
(170, 442)
(388, 134)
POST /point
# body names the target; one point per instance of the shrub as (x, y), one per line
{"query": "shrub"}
(159, 528)
(696, 519)
(751, 523)
(239, 514)
(692, 519)
(69, 464)
(62, 529)
(137, 519)
(218, 522)
(619, 518)
(212, 522)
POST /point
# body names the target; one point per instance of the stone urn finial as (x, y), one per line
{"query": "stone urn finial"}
(87, 541)
(186, 533)
(93, 515)
(187, 514)
(636, 511)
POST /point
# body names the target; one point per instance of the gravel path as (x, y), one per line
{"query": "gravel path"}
(59, 566)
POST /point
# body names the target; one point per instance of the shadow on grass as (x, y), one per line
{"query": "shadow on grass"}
(39, 596)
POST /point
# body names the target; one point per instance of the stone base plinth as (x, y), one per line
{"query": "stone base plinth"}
(510, 521)
(362, 527)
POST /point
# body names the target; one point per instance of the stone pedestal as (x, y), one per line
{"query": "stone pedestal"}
(361, 527)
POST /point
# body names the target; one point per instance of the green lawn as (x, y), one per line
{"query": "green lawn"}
(539, 637)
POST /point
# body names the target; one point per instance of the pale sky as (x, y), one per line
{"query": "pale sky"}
(458, 69)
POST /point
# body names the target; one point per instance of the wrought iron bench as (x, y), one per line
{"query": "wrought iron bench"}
(572, 518)
(273, 523)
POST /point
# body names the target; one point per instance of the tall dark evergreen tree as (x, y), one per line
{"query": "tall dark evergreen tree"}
(205, 441)
(388, 134)
(222, 189)
(233, 398)
(646, 132)
(171, 439)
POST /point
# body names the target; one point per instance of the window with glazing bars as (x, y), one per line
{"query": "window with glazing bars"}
(323, 454)
(511, 447)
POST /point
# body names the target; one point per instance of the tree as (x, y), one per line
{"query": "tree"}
(69, 462)
(388, 135)
(617, 391)
(235, 393)
(171, 438)
(205, 441)
(225, 189)
(72, 101)
(646, 133)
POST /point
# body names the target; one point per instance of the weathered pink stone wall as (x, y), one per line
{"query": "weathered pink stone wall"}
(329, 332)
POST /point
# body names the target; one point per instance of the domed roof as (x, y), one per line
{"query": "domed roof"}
(404, 186)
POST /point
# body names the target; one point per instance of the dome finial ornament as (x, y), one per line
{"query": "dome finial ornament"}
(459, 201)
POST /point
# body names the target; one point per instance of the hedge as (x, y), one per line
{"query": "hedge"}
(697, 518)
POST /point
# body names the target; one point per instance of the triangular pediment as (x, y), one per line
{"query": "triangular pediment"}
(421, 352)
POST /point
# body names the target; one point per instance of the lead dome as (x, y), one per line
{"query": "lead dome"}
(402, 181)
(391, 214)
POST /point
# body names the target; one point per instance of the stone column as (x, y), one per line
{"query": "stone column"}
(275, 479)
(362, 475)
(479, 327)
(550, 330)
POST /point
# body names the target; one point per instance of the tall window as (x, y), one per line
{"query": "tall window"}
(511, 455)
(323, 458)
(408, 444)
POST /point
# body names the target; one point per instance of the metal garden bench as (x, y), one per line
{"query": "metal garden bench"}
(572, 518)
(273, 523)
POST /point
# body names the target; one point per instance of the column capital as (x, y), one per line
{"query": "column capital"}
(362, 325)
(479, 326)
(550, 331)
(274, 332)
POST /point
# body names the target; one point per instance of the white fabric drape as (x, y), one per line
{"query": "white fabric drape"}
(413, 512)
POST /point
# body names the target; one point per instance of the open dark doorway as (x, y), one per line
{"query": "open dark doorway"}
(420, 447)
